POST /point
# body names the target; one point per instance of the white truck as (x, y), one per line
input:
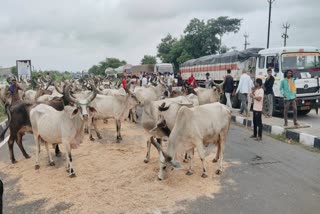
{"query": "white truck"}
(303, 61)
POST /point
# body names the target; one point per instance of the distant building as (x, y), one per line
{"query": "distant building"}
(5, 72)
(148, 68)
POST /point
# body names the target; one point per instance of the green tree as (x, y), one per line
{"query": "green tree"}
(107, 63)
(147, 59)
(14, 71)
(200, 38)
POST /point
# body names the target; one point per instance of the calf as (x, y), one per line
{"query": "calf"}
(196, 127)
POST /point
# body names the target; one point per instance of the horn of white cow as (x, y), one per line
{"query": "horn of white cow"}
(57, 88)
(93, 94)
(218, 85)
(94, 88)
(67, 94)
(163, 107)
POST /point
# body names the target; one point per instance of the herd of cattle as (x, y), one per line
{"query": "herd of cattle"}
(61, 113)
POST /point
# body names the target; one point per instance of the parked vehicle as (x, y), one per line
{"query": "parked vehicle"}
(303, 61)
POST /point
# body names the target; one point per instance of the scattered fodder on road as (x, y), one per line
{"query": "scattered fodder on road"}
(111, 178)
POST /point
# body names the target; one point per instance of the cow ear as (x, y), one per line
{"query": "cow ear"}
(176, 164)
(75, 112)
(92, 109)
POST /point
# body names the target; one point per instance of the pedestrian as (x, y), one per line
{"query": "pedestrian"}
(169, 82)
(257, 96)
(192, 81)
(124, 82)
(14, 90)
(144, 81)
(228, 87)
(288, 90)
(244, 88)
(179, 82)
(268, 87)
(140, 78)
(208, 81)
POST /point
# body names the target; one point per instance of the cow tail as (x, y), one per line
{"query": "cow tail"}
(8, 112)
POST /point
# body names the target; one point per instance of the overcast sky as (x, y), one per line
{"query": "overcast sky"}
(75, 34)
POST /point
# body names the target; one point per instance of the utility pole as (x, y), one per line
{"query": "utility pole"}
(285, 35)
(269, 21)
(246, 43)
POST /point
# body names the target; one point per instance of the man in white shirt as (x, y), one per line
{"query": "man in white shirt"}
(144, 81)
(244, 88)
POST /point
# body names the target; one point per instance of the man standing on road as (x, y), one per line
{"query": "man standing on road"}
(192, 81)
(124, 82)
(244, 88)
(14, 90)
(179, 82)
(257, 96)
(208, 80)
(144, 81)
(268, 85)
(228, 87)
(288, 90)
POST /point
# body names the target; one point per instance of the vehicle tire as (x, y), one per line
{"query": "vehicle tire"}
(304, 112)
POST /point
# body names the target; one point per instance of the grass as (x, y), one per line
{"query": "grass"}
(3, 115)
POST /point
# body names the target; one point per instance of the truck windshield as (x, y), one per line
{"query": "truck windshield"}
(301, 63)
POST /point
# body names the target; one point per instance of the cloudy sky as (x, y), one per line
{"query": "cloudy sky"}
(75, 34)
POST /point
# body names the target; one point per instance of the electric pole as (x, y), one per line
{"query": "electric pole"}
(285, 35)
(246, 43)
(269, 21)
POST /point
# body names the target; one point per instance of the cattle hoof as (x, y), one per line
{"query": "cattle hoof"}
(186, 161)
(52, 163)
(58, 154)
(99, 136)
(72, 175)
(27, 156)
(214, 161)
(146, 160)
(92, 139)
(204, 175)
(218, 172)
(14, 161)
(86, 131)
(36, 167)
(189, 173)
(160, 179)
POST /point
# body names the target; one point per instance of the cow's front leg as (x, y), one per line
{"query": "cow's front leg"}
(10, 144)
(37, 166)
(19, 142)
(94, 123)
(202, 155)
(118, 125)
(69, 160)
(191, 156)
(147, 159)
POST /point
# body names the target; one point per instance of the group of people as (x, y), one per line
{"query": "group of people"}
(259, 91)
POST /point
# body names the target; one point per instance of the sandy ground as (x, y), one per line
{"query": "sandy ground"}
(111, 177)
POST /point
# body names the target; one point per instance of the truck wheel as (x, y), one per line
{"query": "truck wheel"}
(304, 112)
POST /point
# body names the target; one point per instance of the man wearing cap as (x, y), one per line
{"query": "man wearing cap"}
(208, 81)
(14, 90)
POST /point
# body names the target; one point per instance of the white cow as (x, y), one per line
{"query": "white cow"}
(55, 127)
(112, 107)
(152, 117)
(196, 127)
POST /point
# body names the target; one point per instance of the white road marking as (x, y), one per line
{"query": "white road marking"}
(4, 141)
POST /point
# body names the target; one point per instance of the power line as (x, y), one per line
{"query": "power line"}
(246, 43)
(285, 35)
(269, 21)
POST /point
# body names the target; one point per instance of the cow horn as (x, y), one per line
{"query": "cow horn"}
(93, 95)
(163, 108)
(94, 88)
(218, 85)
(68, 96)
(57, 88)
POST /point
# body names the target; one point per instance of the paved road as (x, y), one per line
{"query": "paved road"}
(271, 177)
(312, 118)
